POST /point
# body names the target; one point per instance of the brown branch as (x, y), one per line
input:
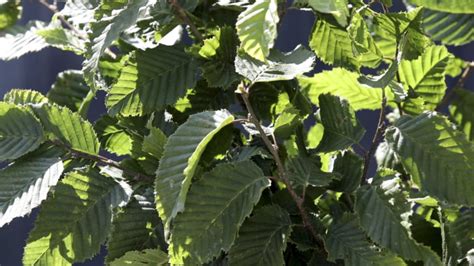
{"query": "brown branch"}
(448, 97)
(101, 160)
(376, 139)
(273, 148)
(181, 14)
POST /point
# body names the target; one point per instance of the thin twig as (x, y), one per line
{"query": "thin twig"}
(101, 160)
(181, 14)
(54, 9)
(376, 139)
(273, 148)
(465, 75)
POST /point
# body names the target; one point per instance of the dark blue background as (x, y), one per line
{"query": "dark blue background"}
(38, 71)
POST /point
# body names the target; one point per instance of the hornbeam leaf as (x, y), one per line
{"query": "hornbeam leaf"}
(147, 257)
(452, 6)
(341, 126)
(462, 111)
(439, 158)
(363, 43)
(460, 235)
(384, 210)
(347, 86)
(82, 205)
(180, 158)
(303, 172)
(279, 66)
(25, 184)
(257, 28)
(262, 238)
(347, 241)
(449, 28)
(19, 40)
(24, 97)
(10, 12)
(332, 44)
(425, 75)
(216, 207)
(338, 8)
(154, 79)
(133, 227)
(69, 90)
(69, 127)
(20, 131)
(105, 30)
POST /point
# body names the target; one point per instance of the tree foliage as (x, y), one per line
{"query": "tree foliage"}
(218, 148)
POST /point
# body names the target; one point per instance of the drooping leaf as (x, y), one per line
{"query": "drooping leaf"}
(341, 127)
(384, 211)
(20, 131)
(262, 238)
(180, 158)
(219, 52)
(69, 127)
(257, 28)
(216, 207)
(19, 96)
(425, 76)
(112, 18)
(25, 184)
(133, 227)
(279, 66)
(439, 158)
(19, 40)
(332, 44)
(152, 80)
(462, 112)
(346, 240)
(303, 172)
(147, 257)
(449, 28)
(453, 6)
(347, 87)
(69, 90)
(82, 204)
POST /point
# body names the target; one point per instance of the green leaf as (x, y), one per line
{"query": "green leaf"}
(219, 52)
(257, 28)
(363, 44)
(19, 96)
(332, 44)
(347, 241)
(350, 167)
(180, 158)
(439, 158)
(216, 207)
(25, 184)
(69, 127)
(383, 210)
(262, 238)
(449, 28)
(55, 35)
(20, 131)
(112, 18)
(152, 80)
(154, 143)
(82, 204)
(303, 171)
(69, 90)
(460, 235)
(337, 8)
(425, 76)
(163, 11)
(10, 12)
(116, 139)
(147, 257)
(341, 127)
(348, 87)
(133, 227)
(279, 66)
(20, 40)
(453, 6)
(461, 110)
